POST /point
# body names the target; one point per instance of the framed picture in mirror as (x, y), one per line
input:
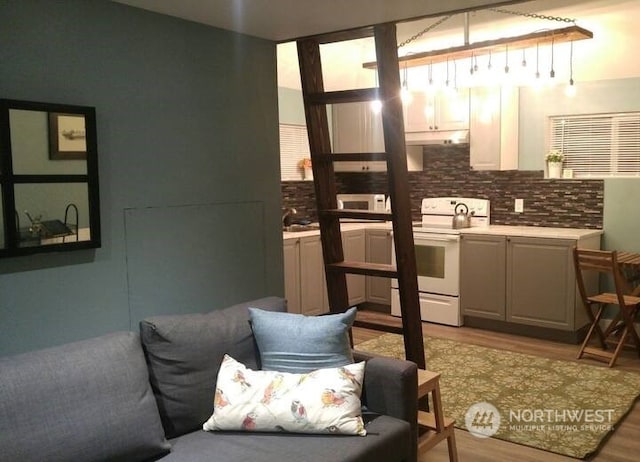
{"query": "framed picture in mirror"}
(67, 136)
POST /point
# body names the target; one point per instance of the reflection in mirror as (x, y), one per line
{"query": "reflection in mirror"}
(52, 213)
(30, 132)
(48, 178)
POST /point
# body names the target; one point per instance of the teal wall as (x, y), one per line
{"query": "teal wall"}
(622, 214)
(290, 106)
(621, 205)
(536, 106)
(187, 125)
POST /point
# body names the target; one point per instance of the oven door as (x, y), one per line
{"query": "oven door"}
(437, 263)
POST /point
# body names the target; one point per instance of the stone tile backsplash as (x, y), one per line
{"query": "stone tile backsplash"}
(557, 203)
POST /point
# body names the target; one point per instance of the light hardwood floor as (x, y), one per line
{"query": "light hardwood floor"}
(622, 446)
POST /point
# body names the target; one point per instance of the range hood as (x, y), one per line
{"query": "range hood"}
(437, 137)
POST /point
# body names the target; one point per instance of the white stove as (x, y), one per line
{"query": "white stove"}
(437, 247)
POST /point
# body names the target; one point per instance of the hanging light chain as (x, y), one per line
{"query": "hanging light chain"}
(425, 30)
(533, 15)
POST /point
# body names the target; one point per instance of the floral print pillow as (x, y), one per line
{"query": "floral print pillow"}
(321, 401)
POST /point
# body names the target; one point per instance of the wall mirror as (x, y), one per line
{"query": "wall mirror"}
(49, 178)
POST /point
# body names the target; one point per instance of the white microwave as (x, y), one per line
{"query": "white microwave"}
(373, 202)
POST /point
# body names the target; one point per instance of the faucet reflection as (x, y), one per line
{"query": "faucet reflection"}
(287, 217)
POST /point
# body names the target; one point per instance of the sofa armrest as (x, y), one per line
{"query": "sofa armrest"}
(391, 387)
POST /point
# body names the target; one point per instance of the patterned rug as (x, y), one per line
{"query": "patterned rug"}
(558, 406)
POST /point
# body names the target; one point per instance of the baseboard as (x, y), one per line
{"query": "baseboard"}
(545, 333)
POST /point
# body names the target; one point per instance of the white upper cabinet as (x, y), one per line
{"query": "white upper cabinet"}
(493, 128)
(437, 111)
(358, 128)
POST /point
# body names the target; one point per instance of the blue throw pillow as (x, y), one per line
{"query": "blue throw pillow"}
(295, 343)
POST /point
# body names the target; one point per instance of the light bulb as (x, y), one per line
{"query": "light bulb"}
(406, 95)
(376, 106)
(570, 90)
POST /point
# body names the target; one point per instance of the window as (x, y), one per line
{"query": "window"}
(598, 145)
(294, 146)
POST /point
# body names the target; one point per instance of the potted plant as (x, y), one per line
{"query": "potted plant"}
(554, 160)
(305, 165)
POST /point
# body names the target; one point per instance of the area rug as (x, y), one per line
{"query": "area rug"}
(557, 406)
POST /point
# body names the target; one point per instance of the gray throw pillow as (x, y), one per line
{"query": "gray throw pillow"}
(88, 401)
(184, 354)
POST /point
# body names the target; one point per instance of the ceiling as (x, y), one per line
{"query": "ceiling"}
(284, 20)
(608, 55)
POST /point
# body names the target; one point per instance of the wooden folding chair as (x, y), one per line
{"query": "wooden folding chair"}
(621, 327)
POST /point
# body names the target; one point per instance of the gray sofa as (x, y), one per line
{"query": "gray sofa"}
(130, 397)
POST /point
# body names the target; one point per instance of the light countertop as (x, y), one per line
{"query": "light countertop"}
(496, 230)
(535, 231)
(343, 227)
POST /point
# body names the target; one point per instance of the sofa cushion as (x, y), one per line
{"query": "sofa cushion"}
(388, 440)
(184, 353)
(87, 400)
(296, 343)
(321, 401)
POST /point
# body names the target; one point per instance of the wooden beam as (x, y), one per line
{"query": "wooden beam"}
(546, 37)
(343, 96)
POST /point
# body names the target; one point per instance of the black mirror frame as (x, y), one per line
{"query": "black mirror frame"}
(8, 179)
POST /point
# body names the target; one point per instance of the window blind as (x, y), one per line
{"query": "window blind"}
(294, 145)
(598, 145)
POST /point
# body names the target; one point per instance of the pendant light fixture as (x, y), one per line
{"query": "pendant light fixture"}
(537, 61)
(571, 90)
(471, 51)
(506, 59)
(405, 94)
(552, 73)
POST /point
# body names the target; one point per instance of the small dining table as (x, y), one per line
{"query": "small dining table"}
(630, 264)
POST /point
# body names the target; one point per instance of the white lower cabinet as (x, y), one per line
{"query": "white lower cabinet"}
(523, 281)
(353, 246)
(305, 286)
(378, 250)
(291, 254)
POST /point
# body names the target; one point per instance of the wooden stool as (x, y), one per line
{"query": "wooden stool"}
(434, 426)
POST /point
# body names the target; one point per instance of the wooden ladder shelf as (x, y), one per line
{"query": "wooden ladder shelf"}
(434, 426)
(322, 159)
